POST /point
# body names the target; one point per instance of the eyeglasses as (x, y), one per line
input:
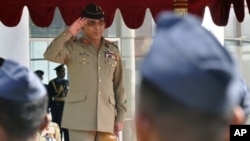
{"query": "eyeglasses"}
(94, 23)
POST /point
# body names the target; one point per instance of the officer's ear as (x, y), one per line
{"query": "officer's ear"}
(237, 119)
(239, 116)
(45, 123)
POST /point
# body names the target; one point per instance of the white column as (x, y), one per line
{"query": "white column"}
(128, 58)
(218, 31)
(15, 40)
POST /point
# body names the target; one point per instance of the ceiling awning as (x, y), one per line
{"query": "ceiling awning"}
(132, 11)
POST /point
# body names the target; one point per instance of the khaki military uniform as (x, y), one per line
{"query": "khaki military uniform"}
(96, 97)
(52, 132)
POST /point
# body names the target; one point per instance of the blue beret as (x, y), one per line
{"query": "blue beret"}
(190, 65)
(19, 84)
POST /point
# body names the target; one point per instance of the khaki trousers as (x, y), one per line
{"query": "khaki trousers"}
(76, 135)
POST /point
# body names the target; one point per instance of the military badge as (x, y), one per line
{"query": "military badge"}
(83, 54)
(111, 55)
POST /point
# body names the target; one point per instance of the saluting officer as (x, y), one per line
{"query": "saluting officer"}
(58, 88)
(96, 102)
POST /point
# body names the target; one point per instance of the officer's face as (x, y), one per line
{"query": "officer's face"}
(94, 28)
(61, 74)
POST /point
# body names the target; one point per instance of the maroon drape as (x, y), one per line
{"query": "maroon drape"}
(133, 11)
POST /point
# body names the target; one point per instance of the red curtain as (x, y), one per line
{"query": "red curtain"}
(133, 11)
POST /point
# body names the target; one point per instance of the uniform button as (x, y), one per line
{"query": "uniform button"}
(99, 68)
(83, 59)
(100, 80)
(100, 92)
(64, 33)
(99, 55)
(113, 65)
(84, 62)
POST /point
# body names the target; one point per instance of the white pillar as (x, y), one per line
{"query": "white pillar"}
(15, 40)
(218, 31)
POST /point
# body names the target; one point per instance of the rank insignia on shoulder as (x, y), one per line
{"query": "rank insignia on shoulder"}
(108, 43)
(73, 39)
(86, 42)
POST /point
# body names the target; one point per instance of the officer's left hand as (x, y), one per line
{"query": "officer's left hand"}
(118, 127)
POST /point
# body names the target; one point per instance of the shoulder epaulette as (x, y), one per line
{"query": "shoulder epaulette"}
(73, 39)
(108, 43)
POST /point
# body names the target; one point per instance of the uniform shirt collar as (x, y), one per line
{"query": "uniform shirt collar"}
(86, 41)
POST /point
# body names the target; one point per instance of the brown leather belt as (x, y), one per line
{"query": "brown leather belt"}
(59, 98)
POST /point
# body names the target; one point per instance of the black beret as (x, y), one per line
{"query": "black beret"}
(60, 68)
(93, 11)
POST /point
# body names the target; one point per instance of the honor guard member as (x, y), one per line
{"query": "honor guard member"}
(189, 88)
(58, 89)
(23, 103)
(40, 74)
(96, 101)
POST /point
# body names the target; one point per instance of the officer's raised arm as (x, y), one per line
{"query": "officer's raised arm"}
(58, 50)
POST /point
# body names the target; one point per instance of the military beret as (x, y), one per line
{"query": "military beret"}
(93, 11)
(189, 64)
(60, 68)
(19, 84)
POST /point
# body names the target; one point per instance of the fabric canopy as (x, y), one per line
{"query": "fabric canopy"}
(133, 11)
